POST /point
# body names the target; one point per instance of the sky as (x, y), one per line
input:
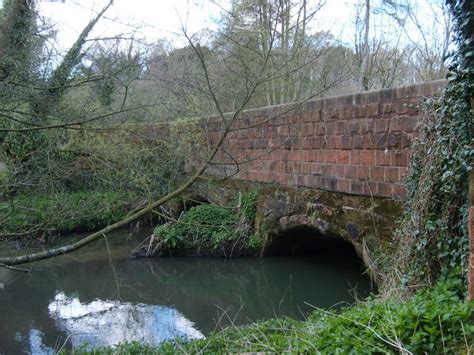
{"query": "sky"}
(160, 18)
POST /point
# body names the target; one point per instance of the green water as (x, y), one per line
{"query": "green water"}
(99, 296)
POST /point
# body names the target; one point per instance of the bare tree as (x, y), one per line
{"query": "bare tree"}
(364, 48)
(400, 42)
(254, 74)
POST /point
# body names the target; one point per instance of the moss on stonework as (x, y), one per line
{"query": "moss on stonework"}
(366, 222)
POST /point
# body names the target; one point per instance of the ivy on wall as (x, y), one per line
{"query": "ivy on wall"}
(433, 237)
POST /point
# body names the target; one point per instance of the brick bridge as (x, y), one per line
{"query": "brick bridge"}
(336, 164)
(357, 144)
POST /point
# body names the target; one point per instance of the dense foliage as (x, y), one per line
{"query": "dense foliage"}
(433, 237)
(42, 216)
(209, 226)
(86, 183)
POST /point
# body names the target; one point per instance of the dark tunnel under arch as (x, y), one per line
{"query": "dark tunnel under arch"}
(306, 241)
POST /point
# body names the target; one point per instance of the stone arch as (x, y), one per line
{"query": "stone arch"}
(307, 240)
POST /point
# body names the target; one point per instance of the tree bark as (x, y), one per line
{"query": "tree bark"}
(363, 82)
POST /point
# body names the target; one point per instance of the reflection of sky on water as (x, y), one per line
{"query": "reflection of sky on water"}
(107, 323)
(35, 342)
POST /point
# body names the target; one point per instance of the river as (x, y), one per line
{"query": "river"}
(99, 297)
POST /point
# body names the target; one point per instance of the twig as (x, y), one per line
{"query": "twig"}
(15, 268)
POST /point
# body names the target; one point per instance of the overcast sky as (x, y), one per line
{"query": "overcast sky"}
(159, 18)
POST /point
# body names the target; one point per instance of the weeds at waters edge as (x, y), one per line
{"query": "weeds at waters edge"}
(210, 226)
(433, 321)
(62, 212)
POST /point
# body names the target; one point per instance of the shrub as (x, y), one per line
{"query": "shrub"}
(209, 226)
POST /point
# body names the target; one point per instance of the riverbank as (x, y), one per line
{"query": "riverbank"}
(45, 216)
(435, 320)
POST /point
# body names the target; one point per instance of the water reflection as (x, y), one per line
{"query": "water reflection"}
(104, 301)
(35, 343)
(107, 323)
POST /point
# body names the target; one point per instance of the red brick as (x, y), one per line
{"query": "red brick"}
(346, 142)
(330, 128)
(399, 158)
(339, 127)
(367, 157)
(358, 141)
(332, 156)
(394, 124)
(391, 174)
(370, 188)
(334, 142)
(376, 173)
(384, 189)
(349, 113)
(362, 111)
(243, 175)
(316, 169)
(363, 172)
(367, 125)
(401, 107)
(321, 129)
(327, 170)
(343, 157)
(308, 180)
(357, 187)
(293, 155)
(350, 171)
(283, 131)
(306, 143)
(382, 158)
(387, 108)
(303, 156)
(280, 178)
(306, 168)
(372, 110)
(280, 167)
(381, 125)
(312, 155)
(271, 177)
(339, 171)
(354, 126)
(300, 180)
(308, 129)
(343, 185)
(315, 143)
(307, 116)
(333, 113)
(354, 157)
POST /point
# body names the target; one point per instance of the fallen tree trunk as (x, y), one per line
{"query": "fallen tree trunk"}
(23, 259)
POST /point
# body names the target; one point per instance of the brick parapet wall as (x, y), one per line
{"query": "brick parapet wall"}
(356, 144)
